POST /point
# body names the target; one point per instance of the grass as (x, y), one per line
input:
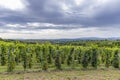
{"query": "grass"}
(66, 74)
(105, 74)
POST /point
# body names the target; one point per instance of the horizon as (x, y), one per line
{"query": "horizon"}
(59, 19)
(65, 38)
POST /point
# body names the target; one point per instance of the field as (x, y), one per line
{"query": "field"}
(108, 74)
(77, 60)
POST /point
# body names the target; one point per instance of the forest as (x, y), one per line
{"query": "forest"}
(44, 56)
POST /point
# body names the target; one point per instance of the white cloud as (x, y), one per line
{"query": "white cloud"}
(79, 2)
(37, 24)
(12, 4)
(55, 34)
(13, 25)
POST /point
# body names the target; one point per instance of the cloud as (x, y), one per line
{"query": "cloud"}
(53, 34)
(83, 12)
(88, 13)
(54, 16)
(39, 26)
(12, 4)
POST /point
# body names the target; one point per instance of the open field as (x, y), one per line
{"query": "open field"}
(108, 74)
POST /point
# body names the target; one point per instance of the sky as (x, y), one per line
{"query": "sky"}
(54, 19)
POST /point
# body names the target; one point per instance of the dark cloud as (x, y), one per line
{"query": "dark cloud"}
(92, 13)
(89, 13)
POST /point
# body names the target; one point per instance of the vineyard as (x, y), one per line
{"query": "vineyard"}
(23, 56)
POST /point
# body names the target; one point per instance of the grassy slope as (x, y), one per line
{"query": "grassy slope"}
(64, 75)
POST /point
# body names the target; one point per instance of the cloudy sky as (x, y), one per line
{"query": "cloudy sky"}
(51, 19)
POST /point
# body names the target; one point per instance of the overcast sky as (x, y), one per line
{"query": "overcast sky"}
(51, 19)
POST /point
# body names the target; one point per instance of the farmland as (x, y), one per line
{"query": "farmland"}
(72, 60)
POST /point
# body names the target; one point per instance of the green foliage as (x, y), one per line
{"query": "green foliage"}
(94, 61)
(70, 57)
(50, 56)
(58, 60)
(45, 57)
(86, 58)
(60, 55)
(108, 58)
(11, 60)
(3, 55)
(24, 57)
(116, 60)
